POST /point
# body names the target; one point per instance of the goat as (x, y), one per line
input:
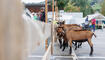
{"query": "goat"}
(60, 35)
(60, 32)
(72, 35)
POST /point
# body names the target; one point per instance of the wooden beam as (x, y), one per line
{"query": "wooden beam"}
(46, 9)
(53, 9)
(12, 35)
(52, 28)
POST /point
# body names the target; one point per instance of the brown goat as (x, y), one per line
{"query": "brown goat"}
(72, 27)
(79, 35)
(60, 32)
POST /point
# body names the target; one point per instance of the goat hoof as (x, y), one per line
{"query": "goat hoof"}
(75, 48)
(70, 53)
(91, 54)
(60, 47)
(63, 50)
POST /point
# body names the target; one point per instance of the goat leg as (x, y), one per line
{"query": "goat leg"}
(91, 50)
(79, 44)
(63, 48)
(64, 45)
(75, 45)
(70, 51)
(91, 46)
(73, 42)
(60, 42)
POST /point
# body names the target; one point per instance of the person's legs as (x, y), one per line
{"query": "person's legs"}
(86, 27)
(93, 27)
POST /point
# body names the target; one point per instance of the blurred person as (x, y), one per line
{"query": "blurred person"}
(93, 24)
(38, 16)
(42, 16)
(90, 26)
(86, 23)
(34, 16)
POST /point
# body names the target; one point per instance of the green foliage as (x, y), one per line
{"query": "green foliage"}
(84, 6)
(75, 6)
(62, 3)
(71, 8)
(103, 8)
(96, 7)
(81, 3)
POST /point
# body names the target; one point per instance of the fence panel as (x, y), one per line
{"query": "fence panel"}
(36, 33)
(47, 55)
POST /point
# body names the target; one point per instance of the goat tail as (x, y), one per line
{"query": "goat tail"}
(94, 35)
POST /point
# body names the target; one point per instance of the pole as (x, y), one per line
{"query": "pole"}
(55, 11)
(52, 27)
(46, 8)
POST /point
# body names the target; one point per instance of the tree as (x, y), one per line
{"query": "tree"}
(61, 3)
(76, 5)
(96, 7)
(71, 8)
(84, 5)
(103, 8)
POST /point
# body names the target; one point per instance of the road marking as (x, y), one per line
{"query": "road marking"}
(90, 57)
(73, 56)
(62, 57)
(77, 56)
